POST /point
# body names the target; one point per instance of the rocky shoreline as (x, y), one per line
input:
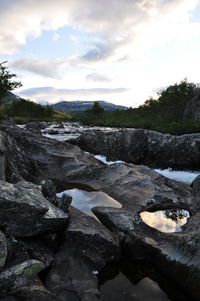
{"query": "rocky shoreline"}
(49, 250)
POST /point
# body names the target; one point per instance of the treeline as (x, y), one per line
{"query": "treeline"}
(164, 113)
(29, 109)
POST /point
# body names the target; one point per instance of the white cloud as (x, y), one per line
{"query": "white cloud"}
(51, 94)
(52, 68)
(56, 37)
(125, 26)
(96, 77)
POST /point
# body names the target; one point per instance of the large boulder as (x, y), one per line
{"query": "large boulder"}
(146, 147)
(176, 255)
(87, 247)
(25, 211)
(36, 157)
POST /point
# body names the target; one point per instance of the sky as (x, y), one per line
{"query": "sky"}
(121, 51)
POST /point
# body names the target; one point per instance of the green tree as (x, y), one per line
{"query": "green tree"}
(6, 80)
(96, 109)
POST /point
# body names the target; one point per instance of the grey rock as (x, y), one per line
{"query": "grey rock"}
(87, 248)
(49, 190)
(18, 276)
(36, 157)
(27, 248)
(146, 147)
(35, 127)
(196, 186)
(34, 290)
(25, 211)
(64, 202)
(138, 187)
(3, 249)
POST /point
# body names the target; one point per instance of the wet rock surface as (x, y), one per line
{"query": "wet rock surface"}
(25, 212)
(146, 147)
(60, 251)
(37, 158)
(87, 247)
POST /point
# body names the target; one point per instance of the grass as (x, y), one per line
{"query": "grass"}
(132, 119)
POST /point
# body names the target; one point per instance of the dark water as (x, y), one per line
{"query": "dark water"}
(137, 282)
(167, 221)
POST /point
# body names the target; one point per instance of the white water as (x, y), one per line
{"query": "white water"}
(177, 175)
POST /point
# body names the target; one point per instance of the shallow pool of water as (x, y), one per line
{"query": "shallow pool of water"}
(137, 281)
(85, 201)
(167, 221)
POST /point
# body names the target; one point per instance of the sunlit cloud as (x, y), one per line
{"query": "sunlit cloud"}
(51, 94)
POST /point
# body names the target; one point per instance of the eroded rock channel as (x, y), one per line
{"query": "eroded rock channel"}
(50, 250)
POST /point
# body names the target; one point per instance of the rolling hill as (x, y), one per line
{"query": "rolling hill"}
(82, 105)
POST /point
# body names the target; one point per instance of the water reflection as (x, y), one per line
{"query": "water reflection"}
(136, 281)
(85, 201)
(167, 221)
(121, 289)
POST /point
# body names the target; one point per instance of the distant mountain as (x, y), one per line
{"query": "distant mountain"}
(82, 105)
(9, 98)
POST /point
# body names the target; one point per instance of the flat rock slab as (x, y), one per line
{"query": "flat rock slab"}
(138, 187)
(25, 211)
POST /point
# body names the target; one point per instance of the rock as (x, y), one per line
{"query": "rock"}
(25, 211)
(87, 248)
(27, 248)
(49, 190)
(3, 249)
(18, 275)
(179, 251)
(64, 202)
(34, 127)
(139, 187)
(35, 157)
(146, 147)
(196, 186)
(34, 290)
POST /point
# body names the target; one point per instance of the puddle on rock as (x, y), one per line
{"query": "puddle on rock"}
(168, 221)
(85, 201)
(137, 281)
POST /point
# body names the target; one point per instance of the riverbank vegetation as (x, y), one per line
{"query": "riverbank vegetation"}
(164, 114)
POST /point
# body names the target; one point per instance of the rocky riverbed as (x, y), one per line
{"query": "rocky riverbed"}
(50, 250)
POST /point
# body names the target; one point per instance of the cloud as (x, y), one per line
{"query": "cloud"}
(51, 93)
(126, 27)
(96, 77)
(52, 68)
(56, 37)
